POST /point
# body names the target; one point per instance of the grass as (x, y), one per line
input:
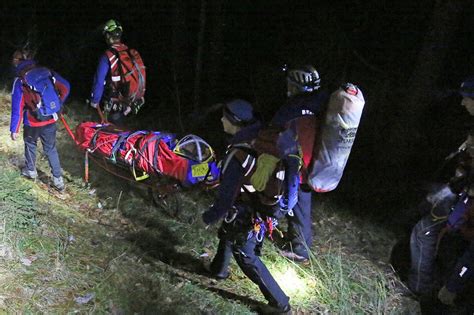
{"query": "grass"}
(107, 248)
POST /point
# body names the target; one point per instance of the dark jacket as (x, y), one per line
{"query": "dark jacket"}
(232, 180)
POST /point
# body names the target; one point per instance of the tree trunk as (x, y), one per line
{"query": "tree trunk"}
(216, 53)
(414, 123)
(199, 58)
(179, 57)
(423, 81)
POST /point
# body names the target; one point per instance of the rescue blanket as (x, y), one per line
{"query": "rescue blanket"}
(190, 160)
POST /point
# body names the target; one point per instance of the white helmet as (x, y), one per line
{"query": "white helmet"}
(305, 78)
(194, 148)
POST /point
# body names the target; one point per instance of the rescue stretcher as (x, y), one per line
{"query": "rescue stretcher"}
(155, 159)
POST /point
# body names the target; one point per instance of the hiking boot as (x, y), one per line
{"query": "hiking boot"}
(218, 276)
(29, 174)
(295, 257)
(270, 309)
(58, 183)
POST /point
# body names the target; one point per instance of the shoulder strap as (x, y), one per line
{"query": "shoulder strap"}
(244, 153)
(23, 73)
(116, 53)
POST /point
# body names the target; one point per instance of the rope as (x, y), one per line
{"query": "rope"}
(68, 129)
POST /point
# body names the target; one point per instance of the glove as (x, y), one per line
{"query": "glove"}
(446, 297)
(137, 105)
(127, 111)
(94, 105)
(209, 216)
(266, 164)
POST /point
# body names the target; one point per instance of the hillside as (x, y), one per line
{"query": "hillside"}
(106, 247)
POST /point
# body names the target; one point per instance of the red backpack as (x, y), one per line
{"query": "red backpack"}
(127, 73)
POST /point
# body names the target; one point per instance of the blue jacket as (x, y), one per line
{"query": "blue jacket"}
(102, 75)
(233, 178)
(19, 111)
(100, 78)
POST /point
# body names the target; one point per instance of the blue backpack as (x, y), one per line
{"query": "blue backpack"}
(41, 96)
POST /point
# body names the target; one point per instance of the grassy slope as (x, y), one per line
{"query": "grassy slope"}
(109, 245)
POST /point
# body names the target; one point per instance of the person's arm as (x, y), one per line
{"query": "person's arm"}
(62, 85)
(99, 80)
(18, 104)
(293, 181)
(460, 276)
(228, 191)
(463, 272)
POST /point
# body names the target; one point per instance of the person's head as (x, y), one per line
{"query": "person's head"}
(22, 54)
(304, 79)
(112, 32)
(236, 115)
(467, 92)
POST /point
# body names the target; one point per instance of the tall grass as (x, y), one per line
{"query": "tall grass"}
(110, 243)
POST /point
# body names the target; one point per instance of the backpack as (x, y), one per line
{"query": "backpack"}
(272, 154)
(41, 96)
(127, 74)
(337, 135)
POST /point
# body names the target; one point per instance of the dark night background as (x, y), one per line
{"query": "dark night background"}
(408, 57)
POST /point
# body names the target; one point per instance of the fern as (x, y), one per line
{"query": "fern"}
(17, 205)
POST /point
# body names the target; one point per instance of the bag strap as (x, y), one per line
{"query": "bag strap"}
(233, 150)
(120, 64)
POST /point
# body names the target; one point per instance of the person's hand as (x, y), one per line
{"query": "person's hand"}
(14, 135)
(127, 111)
(209, 217)
(94, 105)
(446, 297)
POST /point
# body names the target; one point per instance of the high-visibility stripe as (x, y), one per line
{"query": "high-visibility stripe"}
(113, 63)
(251, 166)
(249, 188)
(280, 175)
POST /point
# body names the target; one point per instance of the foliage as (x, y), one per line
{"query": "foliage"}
(17, 206)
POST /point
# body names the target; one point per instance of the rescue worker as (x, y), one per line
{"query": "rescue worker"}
(451, 209)
(305, 103)
(34, 127)
(244, 216)
(108, 95)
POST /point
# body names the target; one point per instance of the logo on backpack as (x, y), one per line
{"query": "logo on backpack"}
(128, 76)
(41, 96)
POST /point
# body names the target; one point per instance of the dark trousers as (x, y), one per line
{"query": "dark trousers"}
(235, 241)
(299, 225)
(47, 134)
(423, 241)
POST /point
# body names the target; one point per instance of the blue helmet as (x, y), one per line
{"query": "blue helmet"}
(239, 112)
(467, 88)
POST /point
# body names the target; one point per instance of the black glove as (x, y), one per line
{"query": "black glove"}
(210, 216)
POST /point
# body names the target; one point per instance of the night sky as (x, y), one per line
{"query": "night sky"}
(374, 43)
